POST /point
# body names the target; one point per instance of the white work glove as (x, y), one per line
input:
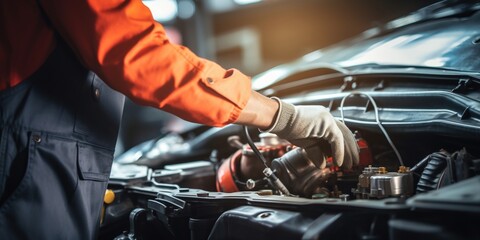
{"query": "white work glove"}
(308, 126)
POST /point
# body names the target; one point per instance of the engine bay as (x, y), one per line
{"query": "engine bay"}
(416, 176)
(232, 194)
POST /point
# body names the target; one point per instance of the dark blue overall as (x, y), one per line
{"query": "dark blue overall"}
(58, 133)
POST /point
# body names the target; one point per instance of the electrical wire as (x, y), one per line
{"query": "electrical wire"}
(253, 147)
(377, 119)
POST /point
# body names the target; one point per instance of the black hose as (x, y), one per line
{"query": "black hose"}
(434, 171)
(275, 182)
(254, 148)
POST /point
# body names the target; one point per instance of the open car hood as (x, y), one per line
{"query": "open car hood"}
(447, 43)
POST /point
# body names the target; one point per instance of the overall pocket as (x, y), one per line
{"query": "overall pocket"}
(49, 166)
(94, 165)
(14, 148)
(63, 184)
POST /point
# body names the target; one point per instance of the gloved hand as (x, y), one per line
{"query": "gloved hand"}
(308, 126)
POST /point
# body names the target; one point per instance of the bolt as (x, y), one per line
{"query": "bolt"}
(250, 184)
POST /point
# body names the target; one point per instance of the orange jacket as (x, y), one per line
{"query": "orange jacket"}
(120, 42)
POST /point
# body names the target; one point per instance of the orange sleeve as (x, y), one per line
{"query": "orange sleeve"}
(120, 41)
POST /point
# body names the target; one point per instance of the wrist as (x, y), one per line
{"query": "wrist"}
(283, 118)
(259, 112)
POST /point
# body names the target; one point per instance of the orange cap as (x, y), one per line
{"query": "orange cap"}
(109, 196)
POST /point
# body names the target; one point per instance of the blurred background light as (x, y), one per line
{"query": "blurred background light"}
(244, 2)
(162, 10)
(186, 9)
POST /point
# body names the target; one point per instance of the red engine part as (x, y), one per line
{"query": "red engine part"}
(243, 164)
(227, 173)
(365, 156)
(365, 153)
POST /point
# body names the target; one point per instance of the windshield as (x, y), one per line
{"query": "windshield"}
(452, 43)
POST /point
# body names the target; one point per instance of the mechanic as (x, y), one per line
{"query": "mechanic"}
(59, 120)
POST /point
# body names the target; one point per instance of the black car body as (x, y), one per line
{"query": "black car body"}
(411, 89)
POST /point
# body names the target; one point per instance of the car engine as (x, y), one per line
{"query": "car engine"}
(233, 194)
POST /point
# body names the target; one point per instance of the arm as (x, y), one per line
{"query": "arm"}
(120, 42)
